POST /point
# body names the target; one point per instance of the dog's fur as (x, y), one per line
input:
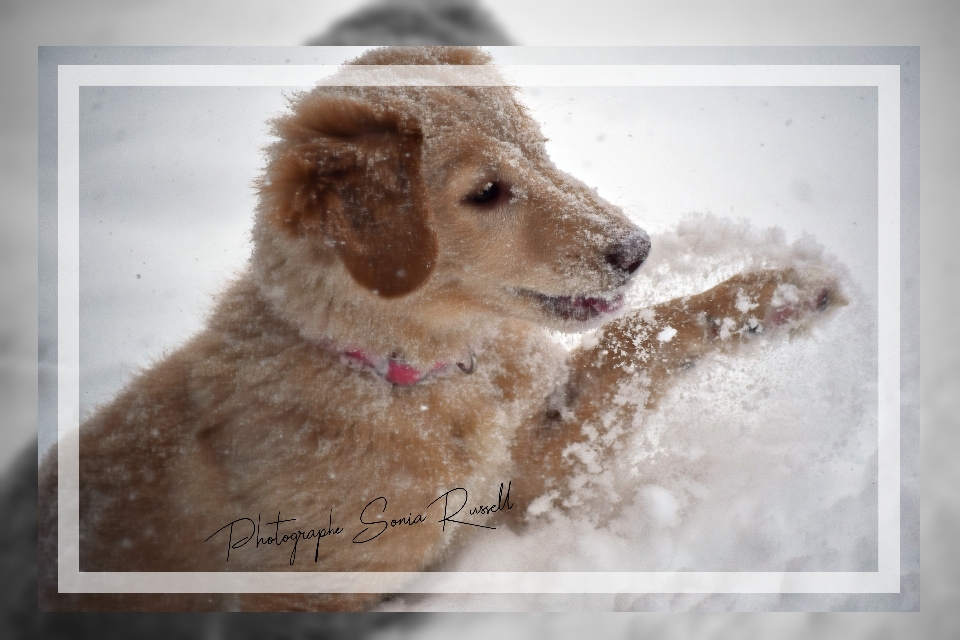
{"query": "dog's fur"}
(379, 233)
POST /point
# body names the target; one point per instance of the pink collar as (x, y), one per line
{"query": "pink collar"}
(397, 372)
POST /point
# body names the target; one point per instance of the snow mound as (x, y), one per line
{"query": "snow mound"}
(761, 460)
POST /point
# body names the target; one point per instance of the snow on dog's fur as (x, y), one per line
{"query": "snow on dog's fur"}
(411, 245)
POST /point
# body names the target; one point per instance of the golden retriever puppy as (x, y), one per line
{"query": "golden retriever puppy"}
(378, 382)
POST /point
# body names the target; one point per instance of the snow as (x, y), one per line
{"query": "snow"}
(667, 334)
(759, 461)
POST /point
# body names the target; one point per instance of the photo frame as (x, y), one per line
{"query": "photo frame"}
(70, 80)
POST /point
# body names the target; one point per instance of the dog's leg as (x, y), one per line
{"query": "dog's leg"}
(648, 349)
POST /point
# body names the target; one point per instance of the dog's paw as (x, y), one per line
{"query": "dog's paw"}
(799, 297)
(750, 303)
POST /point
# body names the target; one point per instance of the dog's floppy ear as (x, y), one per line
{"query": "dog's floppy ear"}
(349, 174)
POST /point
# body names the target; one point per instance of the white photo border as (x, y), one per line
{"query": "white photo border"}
(886, 78)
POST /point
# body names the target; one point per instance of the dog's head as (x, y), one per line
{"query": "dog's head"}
(405, 218)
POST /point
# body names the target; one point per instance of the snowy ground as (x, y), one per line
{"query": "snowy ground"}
(763, 462)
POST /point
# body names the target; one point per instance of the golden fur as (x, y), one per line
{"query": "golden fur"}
(426, 223)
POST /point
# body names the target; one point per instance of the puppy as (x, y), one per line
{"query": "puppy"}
(380, 370)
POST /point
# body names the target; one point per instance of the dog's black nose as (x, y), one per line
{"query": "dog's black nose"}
(628, 254)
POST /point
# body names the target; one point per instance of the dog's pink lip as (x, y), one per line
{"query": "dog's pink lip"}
(580, 308)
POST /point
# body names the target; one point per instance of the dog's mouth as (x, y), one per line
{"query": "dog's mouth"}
(582, 308)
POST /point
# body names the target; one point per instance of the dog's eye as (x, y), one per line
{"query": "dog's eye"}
(490, 193)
